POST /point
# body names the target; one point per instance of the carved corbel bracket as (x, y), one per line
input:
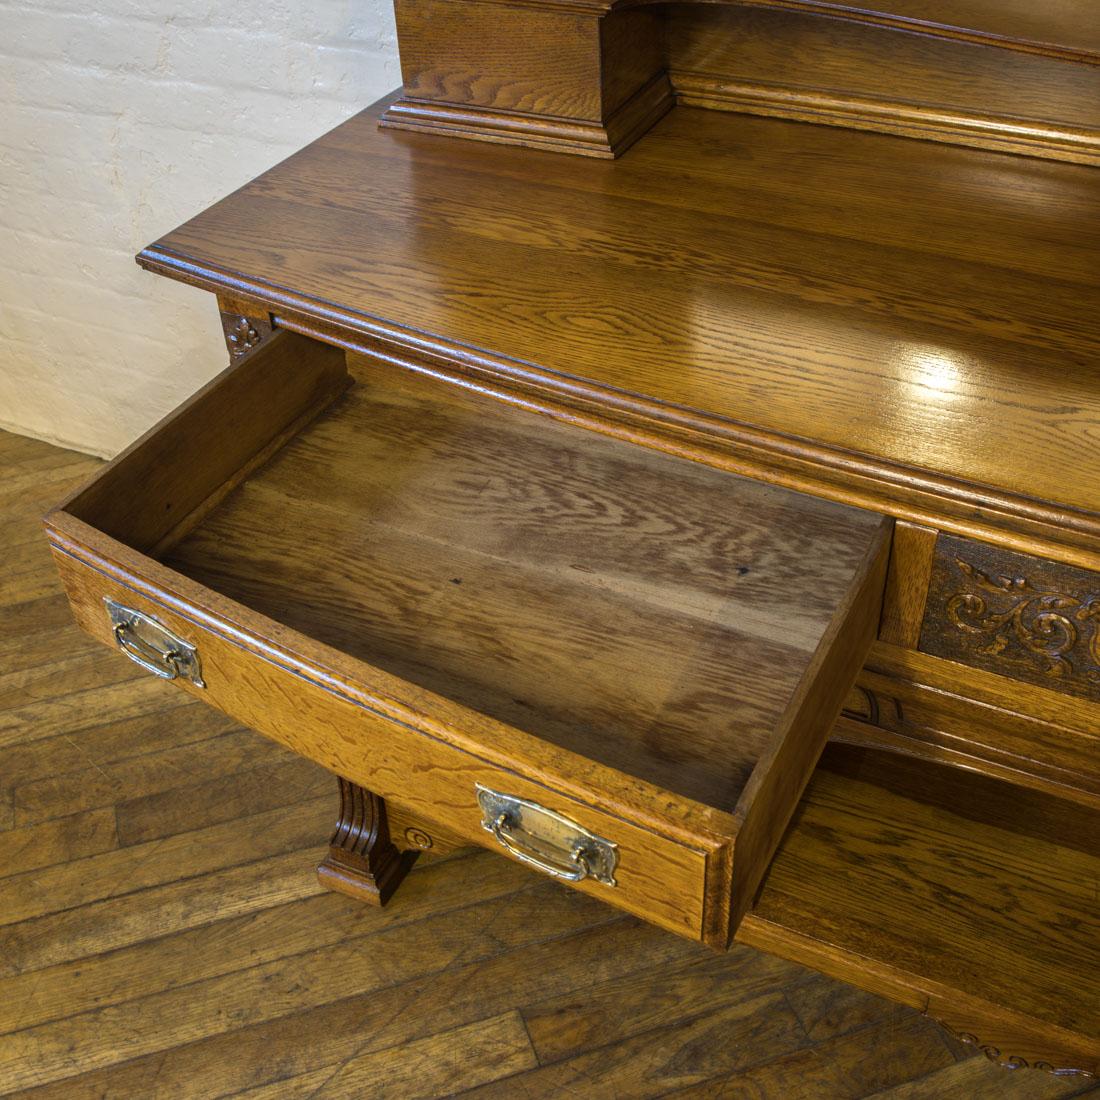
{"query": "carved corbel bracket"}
(572, 77)
(244, 325)
(362, 861)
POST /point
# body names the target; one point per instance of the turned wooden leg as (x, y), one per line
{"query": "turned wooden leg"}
(362, 860)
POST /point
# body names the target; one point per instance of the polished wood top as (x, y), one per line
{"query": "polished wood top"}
(910, 326)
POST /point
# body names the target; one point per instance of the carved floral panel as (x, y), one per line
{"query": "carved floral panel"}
(1014, 615)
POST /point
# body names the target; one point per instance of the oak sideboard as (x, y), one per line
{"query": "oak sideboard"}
(661, 444)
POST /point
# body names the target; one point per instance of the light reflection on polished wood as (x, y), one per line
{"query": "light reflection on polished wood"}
(904, 351)
(907, 327)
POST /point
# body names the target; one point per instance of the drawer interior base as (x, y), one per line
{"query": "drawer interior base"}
(638, 609)
(427, 590)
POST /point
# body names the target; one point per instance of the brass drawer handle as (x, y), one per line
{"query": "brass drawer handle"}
(544, 839)
(152, 645)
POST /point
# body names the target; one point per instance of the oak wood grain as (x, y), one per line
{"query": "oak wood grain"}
(222, 423)
(1064, 28)
(906, 355)
(788, 63)
(662, 872)
(530, 645)
(157, 955)
(907, 585)
(147, 963)
(1009, 728)
(591, 78)
(692, 601)
(575, 81)
(175, 936)
(954, 890)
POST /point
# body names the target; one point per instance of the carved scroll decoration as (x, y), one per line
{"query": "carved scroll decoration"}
(1015, 615)
(1045, 621)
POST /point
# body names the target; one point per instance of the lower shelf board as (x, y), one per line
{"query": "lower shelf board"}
(972, 900)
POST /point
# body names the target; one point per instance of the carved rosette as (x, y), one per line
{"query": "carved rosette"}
(1015, 615)
(417, 838)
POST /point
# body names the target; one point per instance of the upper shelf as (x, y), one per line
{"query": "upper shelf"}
(1061, 28)
(907, 326)
(1065, 28)
(592, 76)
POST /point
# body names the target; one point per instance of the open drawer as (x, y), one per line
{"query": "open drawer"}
(616, 664)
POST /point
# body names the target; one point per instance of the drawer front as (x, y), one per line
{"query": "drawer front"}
(1014, 615)
(677, 882)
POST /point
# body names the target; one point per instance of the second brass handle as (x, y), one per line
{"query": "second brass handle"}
(543, 838)
(576, 870)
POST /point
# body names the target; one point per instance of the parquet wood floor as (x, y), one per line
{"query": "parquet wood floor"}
(162, 933)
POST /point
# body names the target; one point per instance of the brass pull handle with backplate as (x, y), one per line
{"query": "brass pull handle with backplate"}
(152, 645)
(546, 840)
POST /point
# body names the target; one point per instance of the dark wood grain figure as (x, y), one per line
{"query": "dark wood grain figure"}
(563, 502)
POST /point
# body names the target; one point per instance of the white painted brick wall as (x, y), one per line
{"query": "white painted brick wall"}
(119, 120)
